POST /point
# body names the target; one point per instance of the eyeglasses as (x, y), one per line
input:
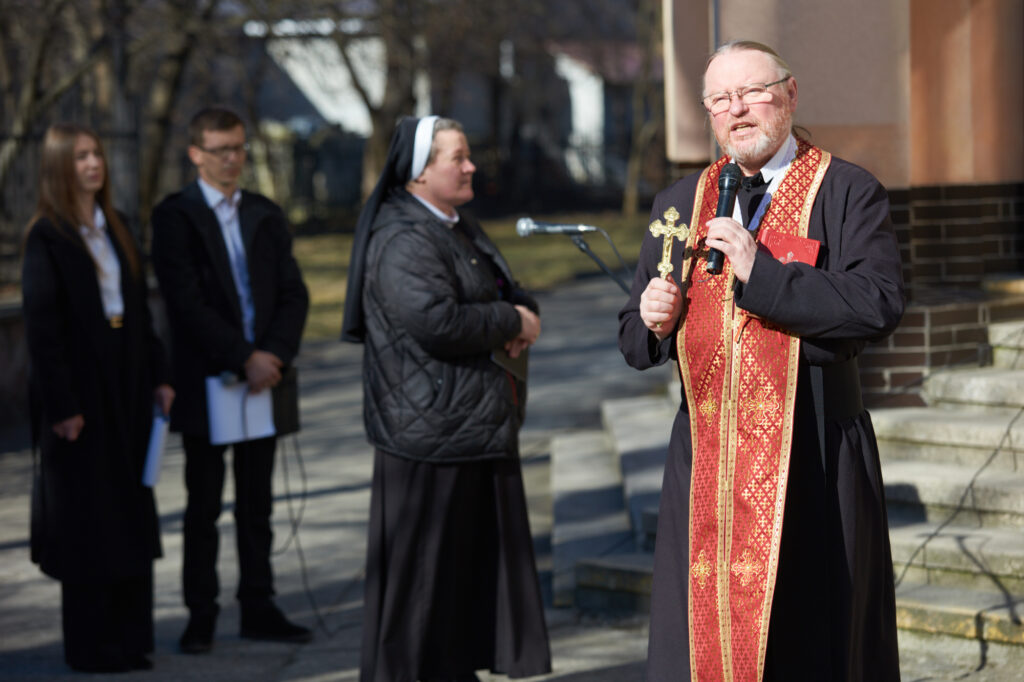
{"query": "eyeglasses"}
(754, 93)
(225, 152)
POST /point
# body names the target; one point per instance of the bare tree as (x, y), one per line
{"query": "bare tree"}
(648, 111)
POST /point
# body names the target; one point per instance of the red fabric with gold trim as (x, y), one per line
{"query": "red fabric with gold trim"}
(740, 376)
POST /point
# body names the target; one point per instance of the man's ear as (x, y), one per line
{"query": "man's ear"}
(194, 154)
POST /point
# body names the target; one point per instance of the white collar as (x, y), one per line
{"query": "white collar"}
(448, 220)
(99, 222)
(214, 196)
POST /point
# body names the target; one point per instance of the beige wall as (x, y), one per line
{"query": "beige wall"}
(920, 92)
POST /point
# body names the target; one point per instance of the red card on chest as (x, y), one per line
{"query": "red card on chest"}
(787, 248)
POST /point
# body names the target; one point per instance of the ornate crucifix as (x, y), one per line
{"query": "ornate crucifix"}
(668, 230)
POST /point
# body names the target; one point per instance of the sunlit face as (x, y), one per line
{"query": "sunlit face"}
(750, 133)
(221, 158)
(90, 169)
(447, 181)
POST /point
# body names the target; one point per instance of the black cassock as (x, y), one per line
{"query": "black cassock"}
(833, 614)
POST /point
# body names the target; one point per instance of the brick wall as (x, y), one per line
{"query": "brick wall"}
(932, 336)
(960, 234)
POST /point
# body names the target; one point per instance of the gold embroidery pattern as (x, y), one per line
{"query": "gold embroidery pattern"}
(747, 568)
(763, 405)
(709, 408)
(702, 570)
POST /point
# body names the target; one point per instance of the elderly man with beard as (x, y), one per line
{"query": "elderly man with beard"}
(772, 559)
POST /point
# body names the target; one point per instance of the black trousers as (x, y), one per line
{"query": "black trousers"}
(253, 466)
(107, 624)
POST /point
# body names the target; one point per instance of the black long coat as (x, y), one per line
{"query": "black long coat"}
(93, 520)
(833, 615)
(191, 263)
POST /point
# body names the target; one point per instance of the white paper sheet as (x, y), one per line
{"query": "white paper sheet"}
(155, 451)
(235, 414)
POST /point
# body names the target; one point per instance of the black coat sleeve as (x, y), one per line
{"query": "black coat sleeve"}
(283, 333)
(420, 291)
(857, 293)
(46, 311)
(177, 253)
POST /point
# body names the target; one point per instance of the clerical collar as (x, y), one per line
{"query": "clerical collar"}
(448, 220)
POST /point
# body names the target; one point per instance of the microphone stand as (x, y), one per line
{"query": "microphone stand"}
(582, 245)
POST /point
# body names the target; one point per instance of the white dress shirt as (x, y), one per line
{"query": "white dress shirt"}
(226, 210)
(108, 267)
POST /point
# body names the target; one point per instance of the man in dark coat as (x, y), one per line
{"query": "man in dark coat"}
(451, 584)
(772, 559)
(237, 305)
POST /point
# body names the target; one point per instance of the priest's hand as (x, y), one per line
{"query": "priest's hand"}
(660, 305)
(70, 428)
(738, 245)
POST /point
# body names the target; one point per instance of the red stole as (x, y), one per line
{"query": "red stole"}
(740, 375)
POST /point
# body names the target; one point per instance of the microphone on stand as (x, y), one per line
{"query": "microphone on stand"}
(527, 226)
(728, 183)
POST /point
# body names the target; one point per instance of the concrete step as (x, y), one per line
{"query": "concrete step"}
(952, 436)
(983, 616)
(616, 585)
(622, 585)
(639, 429)
(989, 559)
(927, 491)
(986, 386)
(1007, 341)
(590, 518)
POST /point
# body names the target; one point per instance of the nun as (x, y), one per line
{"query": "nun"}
(451, 581)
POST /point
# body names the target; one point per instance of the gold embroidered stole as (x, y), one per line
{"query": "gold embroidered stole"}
(740, 376)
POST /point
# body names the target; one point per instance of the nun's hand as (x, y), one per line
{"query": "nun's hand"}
(70, 428)
(163, 396)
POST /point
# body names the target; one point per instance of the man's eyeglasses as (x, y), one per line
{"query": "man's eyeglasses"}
(225, 152)
(754, 93)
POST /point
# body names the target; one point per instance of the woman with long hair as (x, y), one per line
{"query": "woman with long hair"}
(96, 371)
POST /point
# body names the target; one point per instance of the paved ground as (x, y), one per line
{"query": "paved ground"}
(322, 482)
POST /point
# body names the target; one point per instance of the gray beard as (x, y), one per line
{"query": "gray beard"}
(767, 144)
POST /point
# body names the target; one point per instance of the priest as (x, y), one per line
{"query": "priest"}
(772, 559)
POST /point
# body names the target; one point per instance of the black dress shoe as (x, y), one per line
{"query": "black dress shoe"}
(198, 635)
(267, 623)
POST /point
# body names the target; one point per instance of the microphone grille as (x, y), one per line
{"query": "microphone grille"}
(524, 226)
(730, 176)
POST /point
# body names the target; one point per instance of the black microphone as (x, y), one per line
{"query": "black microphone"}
(728, 183)
(527, 226)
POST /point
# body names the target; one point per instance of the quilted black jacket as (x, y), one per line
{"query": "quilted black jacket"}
(434, 313)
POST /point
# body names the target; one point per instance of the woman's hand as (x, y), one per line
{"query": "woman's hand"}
(70, 428)
(163, 396)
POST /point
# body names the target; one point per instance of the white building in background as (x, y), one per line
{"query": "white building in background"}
(316, 66)
(584, 157)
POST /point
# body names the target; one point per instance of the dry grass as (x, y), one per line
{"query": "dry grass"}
(538, 262)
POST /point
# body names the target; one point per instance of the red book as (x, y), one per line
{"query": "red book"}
(787, 248)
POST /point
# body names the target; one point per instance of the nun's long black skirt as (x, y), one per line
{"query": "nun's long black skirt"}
(451, 582)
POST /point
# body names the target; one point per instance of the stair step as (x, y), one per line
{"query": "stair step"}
(951, 436)
(988, 386)
(615, 585)
(1007, 341)
(971, 614)
(590, 518)
(958, 556)
(639, 429)
(927, 491)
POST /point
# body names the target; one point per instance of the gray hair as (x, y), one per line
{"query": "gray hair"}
(748, 46)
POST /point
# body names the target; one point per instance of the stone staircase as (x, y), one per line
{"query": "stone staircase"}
(954, 480)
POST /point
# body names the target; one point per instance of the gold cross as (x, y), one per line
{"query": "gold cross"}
(747, 569)
(668, 230)
(702, 569)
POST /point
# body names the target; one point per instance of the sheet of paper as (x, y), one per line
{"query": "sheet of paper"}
(155, 451)
(235, 414)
